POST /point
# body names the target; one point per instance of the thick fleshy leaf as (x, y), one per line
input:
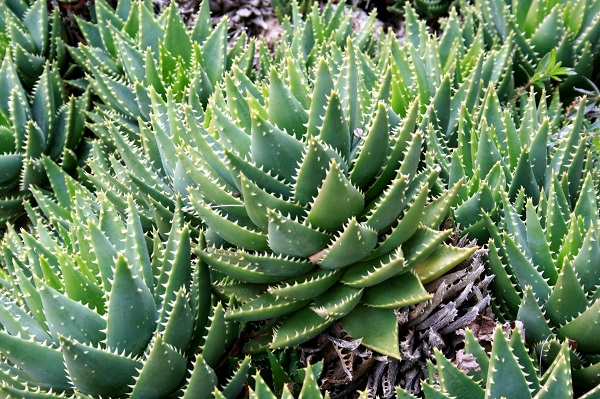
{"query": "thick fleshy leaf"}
(289, 237)
(231, 231)
(525, 272)
(214, 342)
(403, 290)
(162, 372)
(274, 150)
(265, 307)
(454, 381)
(504, 366)
(299, 327)
(180, 324)
(373, 150)
(533, 318)
(284, 109)
(98, 372)
(237, 382)
(441, 261)
(354, 243)
(334, 130)
(267, 264)
(37, 360)
(313, 170)
(582, 329)
(337, 302)
(177, 39)
(71, 319)
(338, 190)
(257, 202)
(384, 339)
(558, 383)
(307, 286)
(131, 312)
(10, 167)
(384, 211)
(202, 382)
(371, 272)
(568, 299)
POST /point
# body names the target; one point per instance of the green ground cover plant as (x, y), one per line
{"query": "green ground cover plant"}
(237, 199)
(38, 116)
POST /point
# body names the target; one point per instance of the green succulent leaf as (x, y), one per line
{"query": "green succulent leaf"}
(41, 362)
(131, 303)
(93, 370)
(264, 307)
(162, 372)
(384, 339)
(354, 243)
(338, 189)
(299, 327)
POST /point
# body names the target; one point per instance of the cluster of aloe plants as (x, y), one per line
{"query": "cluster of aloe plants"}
(572, 29)
(37, 116)
(94, 305)
(238, 199)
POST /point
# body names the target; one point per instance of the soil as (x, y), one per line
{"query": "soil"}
(258, 18)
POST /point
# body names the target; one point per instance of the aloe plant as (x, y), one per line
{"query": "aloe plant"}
(461, 299)
(572, 29)
(129, 137)
(313, 32)
(446, 73)
(129, 50)
(139, 157)
(93, 306)
(185, 146)
(546, 270)
(321, 208)
(33, 37)
(36, 115)
(508, 371)
(427, 9)
(515, 149)
(42, 122)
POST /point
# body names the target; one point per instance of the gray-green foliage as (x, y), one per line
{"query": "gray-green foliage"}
(513, 150)
(519, 162)
(547, 269)
(572, 29)
(296, 192)
(145, 161)
(309, 181)
(91, 305)
(219, 153)
(130, 50)
(37, 117)
(427, 9)
(222, 158)
(320, 32)
(33, 37)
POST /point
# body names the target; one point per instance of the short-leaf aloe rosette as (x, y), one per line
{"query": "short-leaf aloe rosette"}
(91, 306)
(318, 206)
